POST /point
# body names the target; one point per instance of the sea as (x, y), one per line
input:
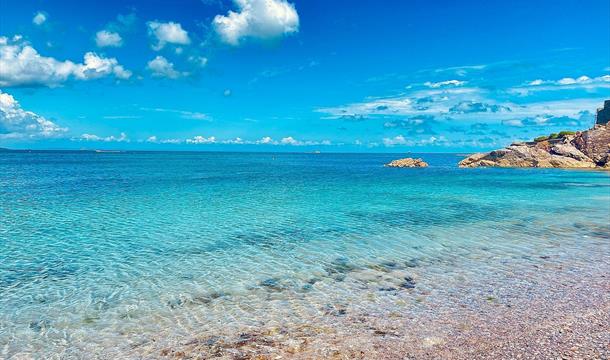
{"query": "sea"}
(119, 255)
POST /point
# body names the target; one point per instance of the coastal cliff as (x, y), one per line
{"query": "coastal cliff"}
(583, 149)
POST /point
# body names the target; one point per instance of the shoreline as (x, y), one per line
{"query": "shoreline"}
(577, 334)
(569, 325)
(544, 307)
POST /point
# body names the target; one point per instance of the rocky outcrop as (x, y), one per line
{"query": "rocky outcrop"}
(586, 149)
(407, 162)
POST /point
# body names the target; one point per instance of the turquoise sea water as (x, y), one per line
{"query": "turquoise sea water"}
(100, 252)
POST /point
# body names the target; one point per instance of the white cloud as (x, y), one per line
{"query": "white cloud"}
(161, 67)
(95, 67)
(167, 33)
(400, 140)
(39, 19)
(288, 141)
(444, 83)
(194, 115)
(120, 72)
(105, 38)
(566, 83)
(396, 140)
(153, 139)
(265, 140)
(22, 65)
(201, 140)
(17, 123)
(91, 137)
(569, 81)
(463, 104)
(237, 141)
(260, 19)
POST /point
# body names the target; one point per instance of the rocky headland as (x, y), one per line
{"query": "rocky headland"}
(407, 162)
(589, 149)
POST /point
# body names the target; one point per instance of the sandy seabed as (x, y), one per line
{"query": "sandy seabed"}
(544, 310)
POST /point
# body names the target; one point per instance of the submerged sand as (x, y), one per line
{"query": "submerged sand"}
(541, 309)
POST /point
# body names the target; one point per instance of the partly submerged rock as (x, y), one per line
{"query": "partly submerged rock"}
(407, 162)
(585, 149)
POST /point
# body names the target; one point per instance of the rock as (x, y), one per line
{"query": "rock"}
(594, 143)
(585, 149)
(569, 151)
(407, 162)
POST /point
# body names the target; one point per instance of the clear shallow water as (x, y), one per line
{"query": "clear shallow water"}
(100, 253)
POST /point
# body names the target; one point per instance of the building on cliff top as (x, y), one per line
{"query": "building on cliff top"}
(603, 114)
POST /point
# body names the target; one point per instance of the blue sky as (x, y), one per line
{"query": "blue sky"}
(276, 75)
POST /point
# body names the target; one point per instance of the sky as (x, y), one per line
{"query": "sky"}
(299, 75)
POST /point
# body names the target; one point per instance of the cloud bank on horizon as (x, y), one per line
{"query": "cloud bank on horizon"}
(283, 74)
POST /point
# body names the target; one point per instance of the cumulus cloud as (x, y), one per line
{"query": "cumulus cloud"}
(92, 137)
(289, 140)
(201, 140)
(39, 19)
(110, 35)
(265, 140)
(105, 38)
(167, 33)
(22, 65)
(161, 67)
(259, 19)
(17, 123)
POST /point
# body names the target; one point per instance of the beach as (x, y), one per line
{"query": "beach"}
(264, 256)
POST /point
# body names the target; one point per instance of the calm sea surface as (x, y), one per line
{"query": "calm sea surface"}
(101, 252)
